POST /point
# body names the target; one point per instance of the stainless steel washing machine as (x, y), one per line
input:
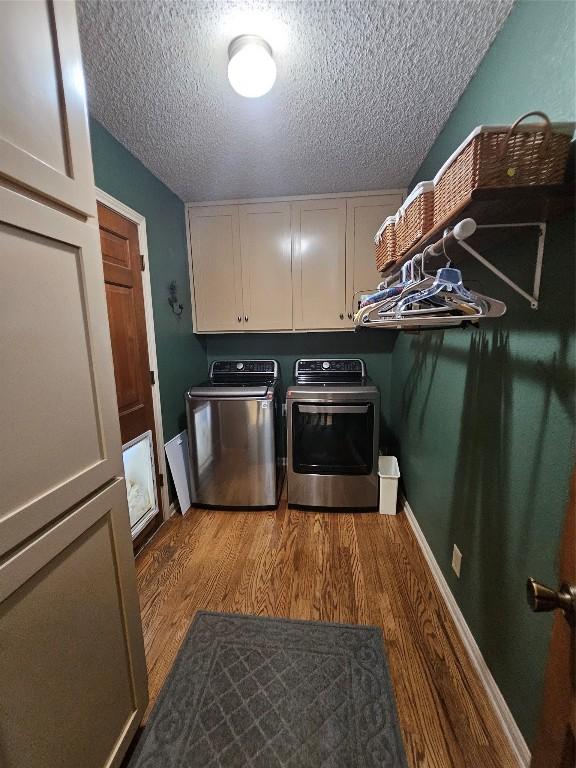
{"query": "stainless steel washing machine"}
(333, 415)
(235, 434)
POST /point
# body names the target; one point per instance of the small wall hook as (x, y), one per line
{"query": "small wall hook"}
(175, 305)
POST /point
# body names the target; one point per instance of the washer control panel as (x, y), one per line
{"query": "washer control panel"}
(244, 368)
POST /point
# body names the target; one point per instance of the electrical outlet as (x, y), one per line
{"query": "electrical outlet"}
(456, 560)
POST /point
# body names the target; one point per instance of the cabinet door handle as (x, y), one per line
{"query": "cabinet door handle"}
(349, 315)
(341, 316)
(246, 318)
(239, 318)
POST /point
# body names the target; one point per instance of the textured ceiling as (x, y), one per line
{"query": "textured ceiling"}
(363, 88)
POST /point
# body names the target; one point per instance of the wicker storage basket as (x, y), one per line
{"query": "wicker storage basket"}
(385, 241)
(502, 156)
(415, 217)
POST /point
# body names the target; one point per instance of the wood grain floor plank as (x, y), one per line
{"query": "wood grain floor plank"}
(352, 568)
(454, 659)
(282, 574)
(417, 697)
(415, 593)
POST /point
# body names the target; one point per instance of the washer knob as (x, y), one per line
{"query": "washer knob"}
(239, 366)
(325, 364)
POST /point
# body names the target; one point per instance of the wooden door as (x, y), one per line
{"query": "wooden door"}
(126, 316)
(319, 247)
(364, 215)
(555, 745)
(44, 141)
(266, 251)
(215, 268)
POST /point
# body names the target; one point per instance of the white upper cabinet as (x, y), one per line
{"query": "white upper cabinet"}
(281, 265)
(319, 237)
(364, 215)
(44, 141)
(216, 274)
(266, 252)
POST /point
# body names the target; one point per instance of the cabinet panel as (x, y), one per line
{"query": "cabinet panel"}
(216, 272)
(364, 217)
(319, 241)
(44, 141)
(60, 436)
(266, 249)
(72, 664)
(72, 668)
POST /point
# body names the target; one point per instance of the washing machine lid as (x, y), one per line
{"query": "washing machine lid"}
(221, 392)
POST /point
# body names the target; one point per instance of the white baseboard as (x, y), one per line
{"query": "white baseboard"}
(509, 726)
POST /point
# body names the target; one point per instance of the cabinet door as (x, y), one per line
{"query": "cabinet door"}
(72, 666)
(319, 242)
(44, 141)
(266, 249)
(216, 271)
(363, 219)
(60, 436)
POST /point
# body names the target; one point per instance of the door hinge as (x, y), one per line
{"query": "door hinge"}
(152, 378)
(161, 480)
(142, 265)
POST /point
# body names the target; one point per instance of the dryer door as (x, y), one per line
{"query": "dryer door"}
(332, 438)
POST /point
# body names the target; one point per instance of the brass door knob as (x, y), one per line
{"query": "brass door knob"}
(239, 319)
(246, 318)
(341, 316)
(543, 598)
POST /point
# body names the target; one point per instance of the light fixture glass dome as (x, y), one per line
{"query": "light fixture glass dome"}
(251, 68)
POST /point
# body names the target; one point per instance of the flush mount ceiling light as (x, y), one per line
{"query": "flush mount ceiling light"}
(251, 68)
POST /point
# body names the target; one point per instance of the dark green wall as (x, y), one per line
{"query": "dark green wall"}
(485, 419)
(373, 347)
(181, 354)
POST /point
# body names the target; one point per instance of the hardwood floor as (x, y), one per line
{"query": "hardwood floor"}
(357, 568)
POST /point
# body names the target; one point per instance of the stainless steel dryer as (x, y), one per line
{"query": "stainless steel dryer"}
(333, 415)
(234, 435)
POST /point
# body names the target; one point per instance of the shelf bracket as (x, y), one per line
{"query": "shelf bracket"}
(533, 298)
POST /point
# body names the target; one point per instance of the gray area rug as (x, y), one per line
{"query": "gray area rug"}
(274, 693)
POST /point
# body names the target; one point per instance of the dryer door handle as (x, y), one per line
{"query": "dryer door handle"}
(333, 408)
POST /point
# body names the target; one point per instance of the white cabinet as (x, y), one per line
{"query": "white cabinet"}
(72, 648)
(281, 265)
(217, 273)
(44, 142)
(319, 238)
(72, 663)
(266, 266)
(241, 267)
(58, 412)
(364, 215)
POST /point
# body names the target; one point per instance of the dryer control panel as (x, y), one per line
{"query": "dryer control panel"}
(329, 370)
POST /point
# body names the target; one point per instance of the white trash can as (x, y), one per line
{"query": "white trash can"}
(388, 472)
